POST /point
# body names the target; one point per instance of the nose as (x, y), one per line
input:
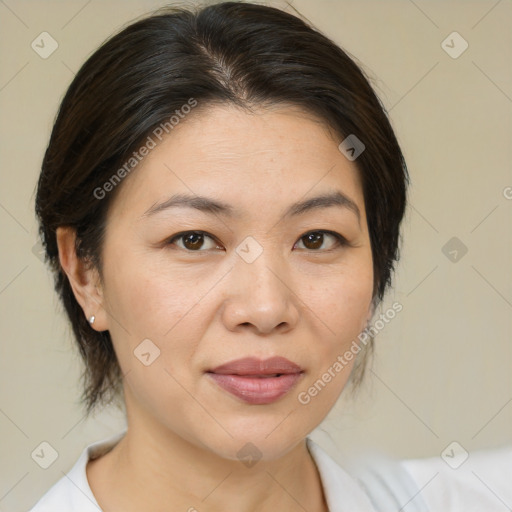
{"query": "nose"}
(261, 297)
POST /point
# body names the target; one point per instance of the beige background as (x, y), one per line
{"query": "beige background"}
(442, 370)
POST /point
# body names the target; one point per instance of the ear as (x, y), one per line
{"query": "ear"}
(84, 279)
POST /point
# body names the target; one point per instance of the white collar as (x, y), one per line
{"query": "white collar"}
(342, 492)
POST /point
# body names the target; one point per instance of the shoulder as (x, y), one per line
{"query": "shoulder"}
(384, 482)
(455, 481)
(72, 492)
(466, 481)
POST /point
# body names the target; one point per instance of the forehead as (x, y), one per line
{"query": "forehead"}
(247, 159)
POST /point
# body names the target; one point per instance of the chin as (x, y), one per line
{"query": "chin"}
(256, 438)
(251, 450)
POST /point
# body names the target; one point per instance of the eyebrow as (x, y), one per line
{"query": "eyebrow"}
(215, 207)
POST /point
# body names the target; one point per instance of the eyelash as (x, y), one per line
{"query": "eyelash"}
(341, 240)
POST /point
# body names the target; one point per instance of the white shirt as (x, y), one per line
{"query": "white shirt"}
(421, 485)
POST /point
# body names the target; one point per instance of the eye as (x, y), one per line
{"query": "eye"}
(192, 240)
(315, 239)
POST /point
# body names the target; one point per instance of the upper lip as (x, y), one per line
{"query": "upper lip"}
(255, 366)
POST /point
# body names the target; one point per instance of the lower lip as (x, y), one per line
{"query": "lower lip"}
(257, 390)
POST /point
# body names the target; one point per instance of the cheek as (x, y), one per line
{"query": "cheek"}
(146, 303)
(343, 300)
(342, 311)
(348, 308)
(148, 298)
(341, 308)
(150, 328)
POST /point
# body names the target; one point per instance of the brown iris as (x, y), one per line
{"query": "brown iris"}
(315, 238)
(193, 240)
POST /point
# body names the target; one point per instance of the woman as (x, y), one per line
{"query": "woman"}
(220, 202)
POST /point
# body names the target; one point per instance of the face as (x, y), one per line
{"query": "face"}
(188, 289)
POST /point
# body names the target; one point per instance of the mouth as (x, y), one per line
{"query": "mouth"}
(255, 381)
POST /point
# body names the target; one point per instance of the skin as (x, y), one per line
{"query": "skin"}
(299, 300)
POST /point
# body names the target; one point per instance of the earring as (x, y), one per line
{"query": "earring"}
(91, 319)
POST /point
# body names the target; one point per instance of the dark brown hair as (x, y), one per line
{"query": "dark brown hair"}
(232, 52)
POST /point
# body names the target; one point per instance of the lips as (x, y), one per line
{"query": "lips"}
(257, 381)
(257, 367)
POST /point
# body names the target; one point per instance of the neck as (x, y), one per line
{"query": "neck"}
(151, 468)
